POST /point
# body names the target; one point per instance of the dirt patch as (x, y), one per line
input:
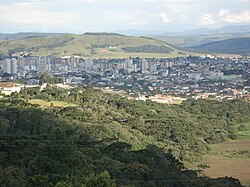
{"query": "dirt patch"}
(229, 159)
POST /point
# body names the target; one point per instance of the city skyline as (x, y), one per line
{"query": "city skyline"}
(81, 16)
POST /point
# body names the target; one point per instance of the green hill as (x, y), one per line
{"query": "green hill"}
(136, 143)
(230, 46)
(91, 45)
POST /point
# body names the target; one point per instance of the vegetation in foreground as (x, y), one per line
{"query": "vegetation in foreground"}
(106, 140)
(230, 158)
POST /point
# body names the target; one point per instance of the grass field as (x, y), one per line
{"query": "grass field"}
(45, 104)
(231, 158)
(245, 133)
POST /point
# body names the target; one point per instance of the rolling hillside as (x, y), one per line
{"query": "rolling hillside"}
(199, 39)
(230, 46)
(201, 36)
(94, 45)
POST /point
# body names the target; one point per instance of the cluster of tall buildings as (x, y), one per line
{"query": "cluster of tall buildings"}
(21, 65)
(9, 65)
(133, 65)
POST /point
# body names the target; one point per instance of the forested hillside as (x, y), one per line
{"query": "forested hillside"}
(125, 143)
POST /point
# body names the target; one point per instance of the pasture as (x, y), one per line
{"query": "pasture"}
(231, 158)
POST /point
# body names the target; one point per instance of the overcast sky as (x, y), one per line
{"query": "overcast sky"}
(79, 16)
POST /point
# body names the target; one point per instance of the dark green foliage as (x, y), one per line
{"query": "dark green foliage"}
(185, 129)
(46, 78)
(220, 119)
(101, 180)
(136, 143)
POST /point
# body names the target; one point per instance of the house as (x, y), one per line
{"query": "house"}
(159, 98)
(246, 97)
(7, 88)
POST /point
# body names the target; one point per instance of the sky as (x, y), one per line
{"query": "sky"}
(79, 16)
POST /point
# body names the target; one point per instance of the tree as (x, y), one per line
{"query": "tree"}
(51, 104)
(63, 184)
(100, 180)
(46, 78)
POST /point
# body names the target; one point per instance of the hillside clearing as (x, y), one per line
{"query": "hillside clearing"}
(45, 104)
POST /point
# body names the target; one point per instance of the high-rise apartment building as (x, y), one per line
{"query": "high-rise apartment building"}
(13, 66)
(144, 65)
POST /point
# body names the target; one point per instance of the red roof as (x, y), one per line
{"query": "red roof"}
(8, 84)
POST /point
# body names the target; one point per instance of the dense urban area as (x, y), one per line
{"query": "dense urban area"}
(166, 80)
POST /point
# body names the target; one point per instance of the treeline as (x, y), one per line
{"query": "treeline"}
(108, 140)
(186, 129)
(46, 78)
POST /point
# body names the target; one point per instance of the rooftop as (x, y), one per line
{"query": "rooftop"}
(8, 85)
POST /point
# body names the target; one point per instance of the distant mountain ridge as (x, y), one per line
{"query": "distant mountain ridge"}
(229, 29)
(202, 36)
(22, 35)
(233, 29)
(231, 46)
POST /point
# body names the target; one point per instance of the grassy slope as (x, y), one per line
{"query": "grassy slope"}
(45, 104)
(82, 44)
(231, 158)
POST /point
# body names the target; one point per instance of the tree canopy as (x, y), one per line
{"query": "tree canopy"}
(107, 140)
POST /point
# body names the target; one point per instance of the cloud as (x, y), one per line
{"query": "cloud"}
(27, 13)
(222, 12)
(242, 17)
(207, 19)
(165, 18)
(137, 17)
(23, 4)
(138, 22)
(100, 15)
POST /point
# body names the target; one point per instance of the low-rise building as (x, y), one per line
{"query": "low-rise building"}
(7, 88)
